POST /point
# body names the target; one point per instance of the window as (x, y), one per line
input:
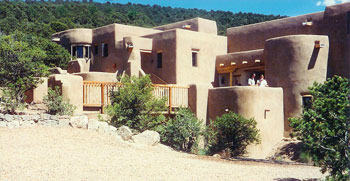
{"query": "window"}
(307, 101)
(87, 51)
(104, 50)
(74, 51)
(159, 60)
(80, 53)
(194, 59)
(96, 50)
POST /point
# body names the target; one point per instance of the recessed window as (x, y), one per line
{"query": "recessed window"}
(104, 50)
(159, 60)
(96, 50)
(223, 81)
(307, 101)
(87, 51)
(194, 59)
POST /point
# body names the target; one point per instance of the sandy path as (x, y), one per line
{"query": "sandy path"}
(73, 154)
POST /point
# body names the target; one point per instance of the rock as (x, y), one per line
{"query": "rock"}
(27, 123)
(13, 124)
(112, 129)
(93, 124)
(79, 122)
(45, 116)
(64, 117)
(216, 156)
(3, 124)
(150, 138)
(63, 123)
(104, 117)
(27, 117)
(125, 133)
(1, 116)
(54, 117)
(103, 127)
(8, 117)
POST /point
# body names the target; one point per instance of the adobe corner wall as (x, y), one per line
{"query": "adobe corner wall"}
(265, 105)
(293, 63)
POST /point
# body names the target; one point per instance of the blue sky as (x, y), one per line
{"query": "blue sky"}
(282, 7)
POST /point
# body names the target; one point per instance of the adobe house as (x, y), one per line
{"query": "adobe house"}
(292, 53)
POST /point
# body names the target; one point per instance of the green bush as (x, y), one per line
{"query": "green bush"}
(233, 133)
(20, 66)
(324, 127)
(182, 132)
(55, 104)
(134, 105)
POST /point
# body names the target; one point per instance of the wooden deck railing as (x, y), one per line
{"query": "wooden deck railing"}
(96, 94)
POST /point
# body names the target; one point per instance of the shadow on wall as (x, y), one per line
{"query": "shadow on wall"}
(313, 58)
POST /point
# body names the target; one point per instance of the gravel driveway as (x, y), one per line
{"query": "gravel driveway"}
(73, 154)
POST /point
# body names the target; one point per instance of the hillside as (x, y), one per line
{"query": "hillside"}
(44, 18)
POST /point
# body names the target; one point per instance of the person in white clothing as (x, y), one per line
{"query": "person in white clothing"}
(251, 80)
(262, 82)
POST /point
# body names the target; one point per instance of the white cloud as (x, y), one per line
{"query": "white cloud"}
(330, 2)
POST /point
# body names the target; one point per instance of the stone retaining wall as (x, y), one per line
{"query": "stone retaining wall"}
(150, 138)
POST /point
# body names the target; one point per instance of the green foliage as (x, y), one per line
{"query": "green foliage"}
(134, 105)
(20, 67)
(233, 133)
(182, 132)
(55, 104)
(9, 102)
(324, 127)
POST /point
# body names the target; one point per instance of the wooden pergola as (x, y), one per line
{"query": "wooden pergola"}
(230, 69)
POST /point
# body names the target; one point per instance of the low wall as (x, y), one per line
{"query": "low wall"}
(263, 104)
(98, 76)
(71, 89)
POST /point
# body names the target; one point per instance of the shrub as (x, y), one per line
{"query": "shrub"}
(55, 104)
(134, 105)
(182, 132)
(324, 127)
(20, 65)
(233, 133)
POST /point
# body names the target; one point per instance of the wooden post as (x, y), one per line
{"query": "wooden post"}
(102, 97)
(230, 78)
(170, 95)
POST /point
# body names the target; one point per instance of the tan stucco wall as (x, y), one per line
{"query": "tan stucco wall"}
(332, 22)
(252, 102)
(75, 36)
(37, 95)
(164, 42)
(294, 64)
(72, 89)
(197, 24)
(98, 76)
(208, 47)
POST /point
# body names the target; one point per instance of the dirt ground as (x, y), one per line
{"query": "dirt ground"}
(73, 154)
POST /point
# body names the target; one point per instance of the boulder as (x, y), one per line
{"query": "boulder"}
(13, 124)
(8, 117)
(63, 123)
(112, 129)
(79, 122)
(103, 127)
(93, 124)
(3, 124)
(125, 133)
(149, 138)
